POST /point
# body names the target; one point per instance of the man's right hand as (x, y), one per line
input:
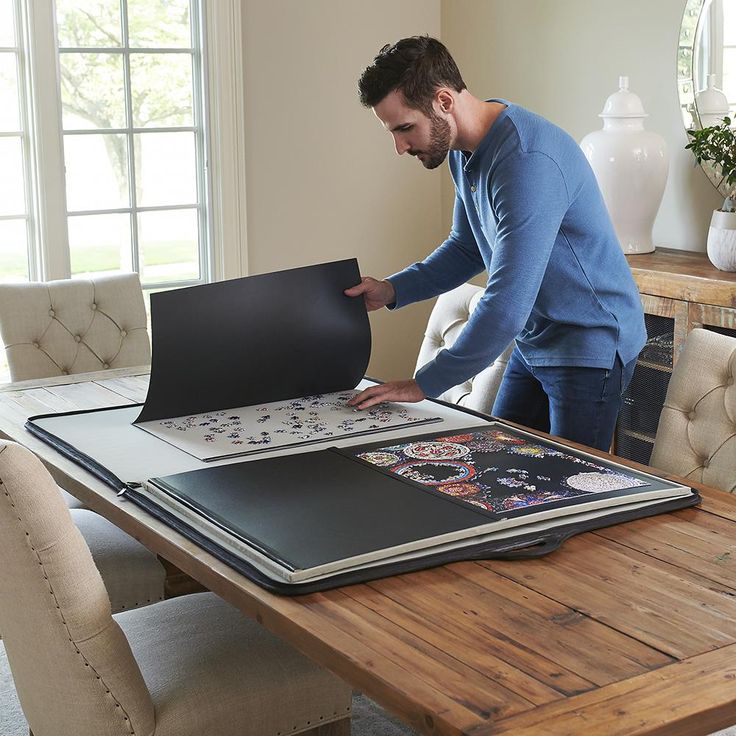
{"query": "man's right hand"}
(376, 293)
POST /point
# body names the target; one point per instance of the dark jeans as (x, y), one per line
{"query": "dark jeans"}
(579, 404)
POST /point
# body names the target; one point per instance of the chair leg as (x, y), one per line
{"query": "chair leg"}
(336, 728)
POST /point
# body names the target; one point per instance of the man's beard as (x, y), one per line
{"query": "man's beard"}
(439, 142)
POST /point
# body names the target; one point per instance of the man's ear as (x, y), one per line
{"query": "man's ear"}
(445, 100)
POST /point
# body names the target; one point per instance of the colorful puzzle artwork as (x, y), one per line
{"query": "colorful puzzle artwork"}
(499, 470)
(323, 417)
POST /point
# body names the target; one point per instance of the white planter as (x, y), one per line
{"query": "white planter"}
(722, 240)
(631, 166)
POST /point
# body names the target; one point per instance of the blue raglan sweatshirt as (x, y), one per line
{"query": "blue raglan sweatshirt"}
(528, 210)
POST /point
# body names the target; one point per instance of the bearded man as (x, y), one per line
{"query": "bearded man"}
(529, 212)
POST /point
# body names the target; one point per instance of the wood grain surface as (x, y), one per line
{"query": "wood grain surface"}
(685, 275)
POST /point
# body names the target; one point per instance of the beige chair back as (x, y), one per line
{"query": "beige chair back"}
(67, 654)
(696, 436)
(73, 326)
(450, 313)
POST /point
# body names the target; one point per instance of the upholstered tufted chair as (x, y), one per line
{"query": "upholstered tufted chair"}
(73, 326)
(450, 313)
(696, 436)
(189, 666)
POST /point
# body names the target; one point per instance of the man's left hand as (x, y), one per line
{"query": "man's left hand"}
(391, 391)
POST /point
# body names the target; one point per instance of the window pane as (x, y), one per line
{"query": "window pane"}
(729, 23)
(13, 250)
(159, 23)
(92, 91)
(162, 89)
(88, 23)
(99, 243)
(12, 191)
(165, 169)
(9, 116)
(7, 27)
(729, 75)
(168, 245)
(96, 171)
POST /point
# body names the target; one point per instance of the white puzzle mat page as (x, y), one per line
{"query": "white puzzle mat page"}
(215, 435)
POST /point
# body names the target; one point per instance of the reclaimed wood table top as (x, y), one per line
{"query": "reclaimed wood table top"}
(626, 630)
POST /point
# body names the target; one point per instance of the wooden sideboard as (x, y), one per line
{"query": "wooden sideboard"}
(680, 290)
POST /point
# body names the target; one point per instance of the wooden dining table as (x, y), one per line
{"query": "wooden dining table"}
(629, 629)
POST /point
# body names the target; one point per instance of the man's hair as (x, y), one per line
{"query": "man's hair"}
(416, 67)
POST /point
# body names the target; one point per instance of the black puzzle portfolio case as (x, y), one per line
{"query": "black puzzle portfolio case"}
(309, 521)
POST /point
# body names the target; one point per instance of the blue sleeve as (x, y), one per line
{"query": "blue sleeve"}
(449, 265)
(529, 199)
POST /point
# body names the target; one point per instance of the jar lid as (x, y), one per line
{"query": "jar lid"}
(624, 103)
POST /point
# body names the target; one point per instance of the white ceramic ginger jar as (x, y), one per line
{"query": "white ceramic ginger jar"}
(631, 165)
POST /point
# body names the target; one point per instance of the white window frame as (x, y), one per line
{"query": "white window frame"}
(47, 158)
(221, 42)
(225, 80)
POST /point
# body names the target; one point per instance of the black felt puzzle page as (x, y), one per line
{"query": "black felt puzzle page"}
(310, 509)
(257, 339)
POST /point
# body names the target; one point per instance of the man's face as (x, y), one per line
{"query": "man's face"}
(427, 138)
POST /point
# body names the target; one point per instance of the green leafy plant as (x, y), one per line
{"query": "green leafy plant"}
(716, 146)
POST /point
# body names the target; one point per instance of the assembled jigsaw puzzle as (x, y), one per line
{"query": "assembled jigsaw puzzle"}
(500, 470)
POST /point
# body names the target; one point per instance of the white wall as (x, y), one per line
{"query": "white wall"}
(562, 58)
(323, 179)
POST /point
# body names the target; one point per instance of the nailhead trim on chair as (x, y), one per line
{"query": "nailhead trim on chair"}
(138, 604)
(335, 717)
(131, 730)
(122, 600)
